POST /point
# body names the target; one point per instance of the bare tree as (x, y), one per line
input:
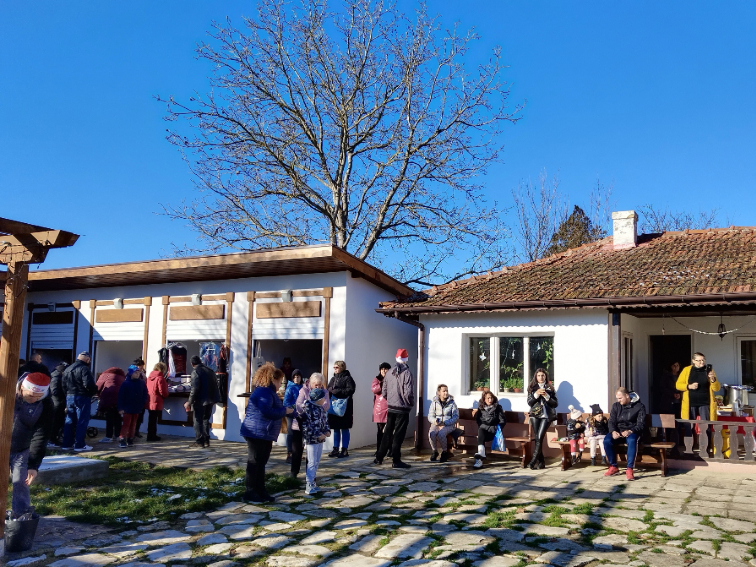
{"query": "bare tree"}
(600, 208)
(358, 127)
(540, 210)
(654, 220)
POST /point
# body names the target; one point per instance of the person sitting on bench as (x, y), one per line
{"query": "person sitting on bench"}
(627, 420)
(489, 415)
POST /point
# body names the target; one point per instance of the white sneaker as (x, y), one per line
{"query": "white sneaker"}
(311, 489)
(84, 448)
(106, 440)
(478, 463)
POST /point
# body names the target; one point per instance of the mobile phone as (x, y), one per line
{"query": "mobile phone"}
(708, 368)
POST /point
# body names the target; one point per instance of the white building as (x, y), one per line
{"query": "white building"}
(615, 312)
(315, 304)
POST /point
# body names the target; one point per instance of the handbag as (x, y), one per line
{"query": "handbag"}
(498, 441)
(536, 410)
(338, 406)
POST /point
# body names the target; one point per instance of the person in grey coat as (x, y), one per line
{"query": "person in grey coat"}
(399, 390)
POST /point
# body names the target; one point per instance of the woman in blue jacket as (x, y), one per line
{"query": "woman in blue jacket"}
(260, 428)
(290, 401)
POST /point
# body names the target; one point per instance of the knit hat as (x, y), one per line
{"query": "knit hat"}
(596, 409)
(317, 394)
(402, 355)
(36, 382)
(575, 413)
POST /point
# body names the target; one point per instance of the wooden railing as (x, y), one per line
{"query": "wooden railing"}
(724, 436)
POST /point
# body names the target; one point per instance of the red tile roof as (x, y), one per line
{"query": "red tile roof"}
(662, 268)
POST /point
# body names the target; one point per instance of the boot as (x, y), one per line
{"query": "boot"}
(574, 458)
(533, 462)
(536, 453)
(344, 453)
(541, 462)
(335, 453)
(288, 458)
(444, 456)
(593, 461)
(434, 456)
(604, 461)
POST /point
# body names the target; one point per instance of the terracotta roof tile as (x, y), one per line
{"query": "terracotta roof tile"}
(692, 262)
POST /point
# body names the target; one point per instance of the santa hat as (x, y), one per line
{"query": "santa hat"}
(402, 355)
(36, 382)
(575, 413)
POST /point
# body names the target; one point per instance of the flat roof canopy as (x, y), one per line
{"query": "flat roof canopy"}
(268, 262)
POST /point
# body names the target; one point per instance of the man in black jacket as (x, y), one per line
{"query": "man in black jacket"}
(32, 418)
(202, 398)
(58, 395)
(33, 365)
(627, 420)
(79, 386)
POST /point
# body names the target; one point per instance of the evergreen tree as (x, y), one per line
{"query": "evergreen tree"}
(574, 231)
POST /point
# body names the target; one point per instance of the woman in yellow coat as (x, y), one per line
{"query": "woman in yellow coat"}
(698, 389)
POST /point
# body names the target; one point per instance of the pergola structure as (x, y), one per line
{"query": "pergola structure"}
(21, 244)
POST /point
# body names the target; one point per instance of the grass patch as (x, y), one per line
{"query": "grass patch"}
(584, 508)
(136, 491)
(579, 490)
(500, 519)
(649, 516)
(716, 544)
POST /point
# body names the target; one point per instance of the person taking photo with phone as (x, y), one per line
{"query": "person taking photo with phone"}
(698, 383)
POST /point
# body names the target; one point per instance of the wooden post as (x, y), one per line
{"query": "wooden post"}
(327, 295)
(10, 344)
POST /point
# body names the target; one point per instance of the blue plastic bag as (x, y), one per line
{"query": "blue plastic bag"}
(498, 441)
(338, 406)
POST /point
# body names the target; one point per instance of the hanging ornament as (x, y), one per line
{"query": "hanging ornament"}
(721, 330)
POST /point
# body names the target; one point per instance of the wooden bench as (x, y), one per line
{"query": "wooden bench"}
(653, 442)
(517, 435)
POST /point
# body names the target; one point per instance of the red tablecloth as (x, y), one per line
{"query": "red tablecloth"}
(744, 419)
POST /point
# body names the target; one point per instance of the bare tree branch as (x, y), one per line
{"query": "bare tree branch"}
(655, 220)
(358, 126)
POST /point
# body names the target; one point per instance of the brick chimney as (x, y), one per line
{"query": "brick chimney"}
(624, 229)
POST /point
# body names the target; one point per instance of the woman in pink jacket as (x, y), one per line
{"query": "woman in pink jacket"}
(380, 405)
(157, 388)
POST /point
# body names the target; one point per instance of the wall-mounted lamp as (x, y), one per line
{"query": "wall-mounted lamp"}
(286, 295)
(196, 299)
(118, 303)
(51, 307)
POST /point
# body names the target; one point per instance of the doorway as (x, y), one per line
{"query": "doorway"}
(666, 350)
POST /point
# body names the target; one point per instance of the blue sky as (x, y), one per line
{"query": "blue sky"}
(656, 98)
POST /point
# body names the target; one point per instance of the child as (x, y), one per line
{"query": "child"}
(315, 425)
(598, 427)
(575, 433)
(488, 416)
(132, 398)
(443, 416)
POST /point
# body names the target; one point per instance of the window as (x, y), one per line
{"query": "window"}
(480, 363)
(506, 364)
(512, 364)
(748, 361)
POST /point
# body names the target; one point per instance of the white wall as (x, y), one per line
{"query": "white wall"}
(580, 353)
(358, 335)
(372, 338)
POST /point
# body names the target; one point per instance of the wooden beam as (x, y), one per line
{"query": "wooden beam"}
(120, 316)
(10, 344)
(250, 346)
(230, 296)
(196, 312)
(147, 305)
(294, 309)
(77, 307)
(166, 301)
(92, 310)
(28, 331)
(327, 295)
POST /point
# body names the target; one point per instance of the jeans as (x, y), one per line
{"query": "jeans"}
(314, 453)
(297, 448)
(152, 421)
(21, 499)
(699, 412)
(112, 422)
(258, 453)
(341, 438)
(437, 435)
(632, 448)
(202, 414)
(289, 435)
(393, 436)
(78, 410)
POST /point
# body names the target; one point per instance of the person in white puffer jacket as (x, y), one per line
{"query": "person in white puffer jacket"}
(443, 416)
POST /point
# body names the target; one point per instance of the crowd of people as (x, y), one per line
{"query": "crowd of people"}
(54, 406)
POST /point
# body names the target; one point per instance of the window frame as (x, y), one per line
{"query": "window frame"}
(495, 346)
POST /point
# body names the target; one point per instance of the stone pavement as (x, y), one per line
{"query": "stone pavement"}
(444, 515)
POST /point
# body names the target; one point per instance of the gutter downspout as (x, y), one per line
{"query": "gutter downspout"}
(420, 377)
